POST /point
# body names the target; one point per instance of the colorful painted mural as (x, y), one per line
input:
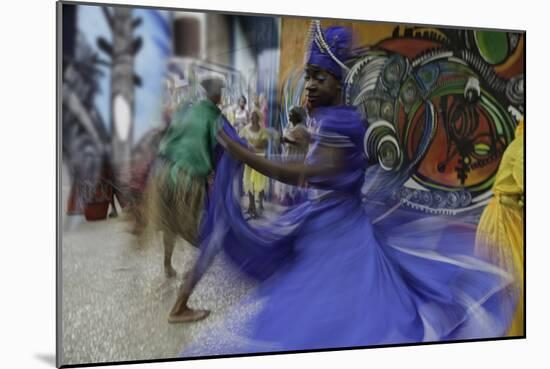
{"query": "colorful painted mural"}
(441, 104)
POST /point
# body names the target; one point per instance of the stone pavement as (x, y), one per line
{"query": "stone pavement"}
(115, 297)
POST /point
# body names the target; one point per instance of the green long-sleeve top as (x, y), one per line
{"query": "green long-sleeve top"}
(190, 140)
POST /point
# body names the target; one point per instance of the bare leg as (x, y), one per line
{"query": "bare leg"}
(251, 205)
(261, 200)
(181, 312)
(169, 244)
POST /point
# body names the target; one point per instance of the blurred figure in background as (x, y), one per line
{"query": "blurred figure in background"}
(264, 109)
(228, 110)
(295, 145)
(254, 183)
(241, 114)
(143, 159)
(500, 231)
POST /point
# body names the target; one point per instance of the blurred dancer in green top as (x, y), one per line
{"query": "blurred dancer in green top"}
(174, 197)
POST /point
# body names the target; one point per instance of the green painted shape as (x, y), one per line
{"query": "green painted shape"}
(493, 46)
(482, 148)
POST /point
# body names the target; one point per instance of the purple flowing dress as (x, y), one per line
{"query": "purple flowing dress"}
(329, 278)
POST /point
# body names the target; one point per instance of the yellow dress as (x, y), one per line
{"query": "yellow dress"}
(500, 231)
(253, 181)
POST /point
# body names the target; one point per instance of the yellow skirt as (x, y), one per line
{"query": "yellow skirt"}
(500, 238)
(253, 181)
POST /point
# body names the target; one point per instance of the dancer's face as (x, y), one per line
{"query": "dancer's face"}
(323, 89)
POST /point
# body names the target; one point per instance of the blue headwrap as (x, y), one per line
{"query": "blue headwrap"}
(329, 49)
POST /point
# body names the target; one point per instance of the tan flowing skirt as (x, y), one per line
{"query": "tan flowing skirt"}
(174, 208)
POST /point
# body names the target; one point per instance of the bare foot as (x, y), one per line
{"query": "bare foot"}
(169, 271)
(187, 315)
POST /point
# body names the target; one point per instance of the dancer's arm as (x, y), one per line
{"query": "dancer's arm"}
(290, 173)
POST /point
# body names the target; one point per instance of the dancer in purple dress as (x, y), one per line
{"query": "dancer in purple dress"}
(329, 277)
